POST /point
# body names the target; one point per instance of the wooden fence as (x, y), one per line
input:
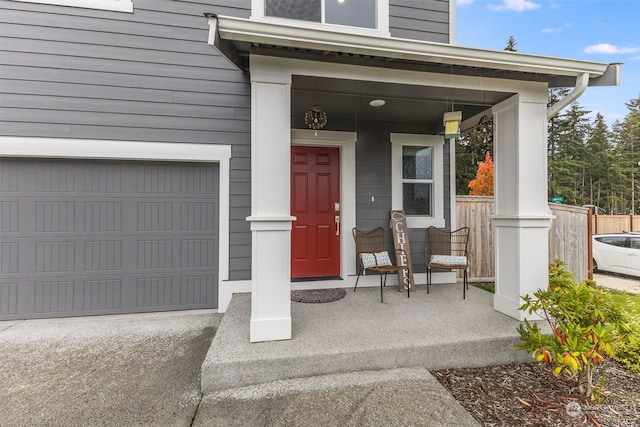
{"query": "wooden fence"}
(568, 236)
(475, 212)
(615, 223)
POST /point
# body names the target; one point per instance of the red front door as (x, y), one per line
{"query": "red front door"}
(315, 202)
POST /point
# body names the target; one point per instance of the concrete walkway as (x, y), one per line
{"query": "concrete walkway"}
(618, 283)
(387, 398)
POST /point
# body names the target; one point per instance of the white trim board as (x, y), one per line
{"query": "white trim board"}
(284, 68)
(112, 5)
(60, 148)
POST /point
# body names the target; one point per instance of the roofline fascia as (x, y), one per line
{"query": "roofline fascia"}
(247, 30)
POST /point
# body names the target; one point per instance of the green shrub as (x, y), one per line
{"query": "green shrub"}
(628, 355)
(586, 324)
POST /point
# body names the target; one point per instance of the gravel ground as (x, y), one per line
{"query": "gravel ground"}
(123, 370)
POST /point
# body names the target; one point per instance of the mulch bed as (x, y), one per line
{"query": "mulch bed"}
(529, 395)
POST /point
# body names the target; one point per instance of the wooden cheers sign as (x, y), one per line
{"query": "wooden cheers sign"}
(401, 241)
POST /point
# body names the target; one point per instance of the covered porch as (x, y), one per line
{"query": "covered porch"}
(291, 67)
(357, 333)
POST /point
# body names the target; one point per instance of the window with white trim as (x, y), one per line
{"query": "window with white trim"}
(113, 5)
(354, 16)
(417, 178)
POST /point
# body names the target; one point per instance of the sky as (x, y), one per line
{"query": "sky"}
(593, 30)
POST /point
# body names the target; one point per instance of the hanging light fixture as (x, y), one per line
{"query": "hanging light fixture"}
(452, 121)
(315, 118)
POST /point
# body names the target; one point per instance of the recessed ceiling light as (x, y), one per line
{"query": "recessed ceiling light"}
(377, 102)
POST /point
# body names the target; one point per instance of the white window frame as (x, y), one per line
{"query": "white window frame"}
(399, 140)
(382, 18)
(112, 5)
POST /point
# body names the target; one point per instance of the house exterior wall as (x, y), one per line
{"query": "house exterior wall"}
(426, 20)
(147, 76)
(142, 76)
(373, 150)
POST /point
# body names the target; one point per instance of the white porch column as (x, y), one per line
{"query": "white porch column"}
(270, 199)
(522, 216)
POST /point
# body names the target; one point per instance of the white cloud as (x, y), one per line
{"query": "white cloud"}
(596, 108)
(609, 117)
(557, 29)
(609, 48)
(465, 2)
(516, 5)
(635, 58)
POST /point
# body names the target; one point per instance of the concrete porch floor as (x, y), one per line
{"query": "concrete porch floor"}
(435, 331)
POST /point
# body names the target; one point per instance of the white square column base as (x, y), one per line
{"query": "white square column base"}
(271, 279)
(522, 257)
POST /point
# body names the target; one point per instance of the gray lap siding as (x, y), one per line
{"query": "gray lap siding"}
(151, 76)
(145, 76)
(426, 20)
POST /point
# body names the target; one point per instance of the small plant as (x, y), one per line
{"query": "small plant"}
(486, 286)
(586, 324)
(629, 356)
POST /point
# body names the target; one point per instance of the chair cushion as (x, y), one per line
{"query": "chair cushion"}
(449, 259)
(369, 259)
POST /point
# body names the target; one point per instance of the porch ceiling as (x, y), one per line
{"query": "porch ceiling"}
(349, 99)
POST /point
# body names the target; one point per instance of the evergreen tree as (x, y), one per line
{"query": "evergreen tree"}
(471, 148)
(626, 138)
(567, 157)
(599, 157)
(511, 44)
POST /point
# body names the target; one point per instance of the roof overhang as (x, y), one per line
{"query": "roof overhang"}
(236, 38)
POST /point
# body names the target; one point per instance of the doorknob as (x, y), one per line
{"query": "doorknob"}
(337, 225)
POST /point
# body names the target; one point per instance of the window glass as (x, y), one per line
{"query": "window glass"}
(304, 10)
(355, 13)
(417, 177)
(416, 199)
(634, 243)
(614, 241)
(416, 163)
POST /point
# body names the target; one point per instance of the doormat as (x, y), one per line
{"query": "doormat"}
(317, 296)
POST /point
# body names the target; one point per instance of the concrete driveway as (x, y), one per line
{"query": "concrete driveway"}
(144, 370)
(617, 282)
(104, 371)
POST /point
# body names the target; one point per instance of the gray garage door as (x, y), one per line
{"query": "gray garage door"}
(99, 237)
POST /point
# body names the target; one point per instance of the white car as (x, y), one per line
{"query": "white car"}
(617, 253)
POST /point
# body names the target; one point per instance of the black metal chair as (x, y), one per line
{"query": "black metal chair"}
(447, 250)
(372, 255)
